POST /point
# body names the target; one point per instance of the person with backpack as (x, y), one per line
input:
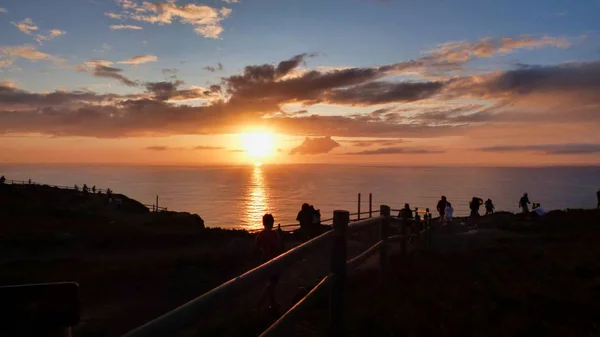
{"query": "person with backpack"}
(489, 207)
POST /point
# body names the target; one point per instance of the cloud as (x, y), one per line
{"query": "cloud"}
(571, 148)
(170, 71)
(383, 92)
(169, 91)
(462, 51)
(8, 54)
(140, 59)
(237, 151)
(375, 142)
(206, 20)
(231, 1)
(3, 10)
(53, 33)
(170, 148)
(394, 150)
(26, 26)
(564, 93)
(218, 67)
(102, 68)
(315, 146)
(157, 148)
(117, 27)
(201, 147)
(114, 16)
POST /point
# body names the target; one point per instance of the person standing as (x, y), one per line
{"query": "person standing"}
(474, 206)
(305, 218)
(448, 215)
(270, 244)
(489, 207)
(524, 202)
(441, 207)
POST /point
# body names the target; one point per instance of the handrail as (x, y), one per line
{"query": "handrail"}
(352, 263)
(276, 328)
(361, 224)
(187, 313)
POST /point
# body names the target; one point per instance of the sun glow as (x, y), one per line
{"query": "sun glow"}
(258, 145)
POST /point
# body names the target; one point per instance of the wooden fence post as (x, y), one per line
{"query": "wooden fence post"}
(337, 293)
(384, 233)
(157, 202)
(358, 206)
(370, 205)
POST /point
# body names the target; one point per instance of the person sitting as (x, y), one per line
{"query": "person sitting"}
(489, 207)
(269, 243)
(2, 180)
(538, 210)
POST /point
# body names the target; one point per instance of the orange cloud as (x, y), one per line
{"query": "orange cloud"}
(140, 59)
(205, 19)
(117, 27)
(26, 26)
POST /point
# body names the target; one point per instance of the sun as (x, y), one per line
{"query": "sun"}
(258, 145)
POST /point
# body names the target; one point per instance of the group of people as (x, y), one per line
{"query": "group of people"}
(446, 211)
(309, 219)
(536, 208)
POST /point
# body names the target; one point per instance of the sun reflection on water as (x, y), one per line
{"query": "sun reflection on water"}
(257, 199)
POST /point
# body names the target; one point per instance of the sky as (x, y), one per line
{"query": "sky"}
(402, 82)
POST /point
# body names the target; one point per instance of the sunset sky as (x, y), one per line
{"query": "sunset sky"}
(405, 82)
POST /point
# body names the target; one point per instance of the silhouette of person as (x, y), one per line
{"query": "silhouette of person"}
(85, 188)
(441, 207)
(489, 207)
(405, 213)
(269, 243)
(94, 189)
(474, 205)
(2, 180)
(29, 181)
(524, 202)
(76, 188)
(305, 218)
(538, 210)
(448, 216)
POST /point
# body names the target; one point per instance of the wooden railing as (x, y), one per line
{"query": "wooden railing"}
(188, 314)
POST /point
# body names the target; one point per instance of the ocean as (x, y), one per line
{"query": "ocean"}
(238, 196)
